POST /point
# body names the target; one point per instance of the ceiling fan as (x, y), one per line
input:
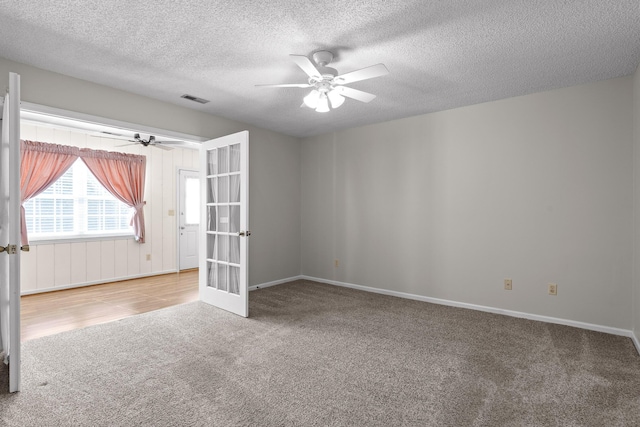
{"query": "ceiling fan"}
(328, 86)
(151, 141)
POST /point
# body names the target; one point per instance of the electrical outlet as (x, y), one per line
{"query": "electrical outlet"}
(507, 284)
(148, 257)
(553, 289)
(336, 263)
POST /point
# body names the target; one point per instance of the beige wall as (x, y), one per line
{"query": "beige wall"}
(636, 198)
(274, 201)
(536, 188)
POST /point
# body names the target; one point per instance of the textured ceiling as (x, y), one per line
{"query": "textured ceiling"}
(441, 54)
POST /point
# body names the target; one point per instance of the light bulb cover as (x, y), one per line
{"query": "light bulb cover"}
(312, 99)
(336, 99)
(323, 104)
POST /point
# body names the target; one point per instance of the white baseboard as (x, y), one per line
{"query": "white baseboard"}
(96, 282)
(529, 316)
(274, 283)
(636, 341)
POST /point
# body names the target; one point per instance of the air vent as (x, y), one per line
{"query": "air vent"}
(195, 99)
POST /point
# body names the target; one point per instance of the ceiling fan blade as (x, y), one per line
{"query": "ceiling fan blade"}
(170, 142)
(356, 94)
(127, 145)
(287, 85)
(111, 136)
(162, 146)
(363, 74)
(306, 65)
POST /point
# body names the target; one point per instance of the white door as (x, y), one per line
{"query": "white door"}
(10, 232)
(224, 189)
(189, 218)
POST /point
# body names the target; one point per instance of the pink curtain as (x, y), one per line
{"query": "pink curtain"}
(123, 176)
(41, 165)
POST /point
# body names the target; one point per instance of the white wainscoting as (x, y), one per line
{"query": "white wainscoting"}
(50, 266)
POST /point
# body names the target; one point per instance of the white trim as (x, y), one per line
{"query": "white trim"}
(82, 239)
(636, 341)
(97, 282)
(529, 316)
(177, 216)
(194, 140)
(275, 282)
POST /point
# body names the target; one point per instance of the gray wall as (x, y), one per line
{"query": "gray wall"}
(274, 202)
(274, 207)
(536, 188)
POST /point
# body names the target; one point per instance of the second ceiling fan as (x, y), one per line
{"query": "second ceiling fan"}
(137, 139)
(328, 85)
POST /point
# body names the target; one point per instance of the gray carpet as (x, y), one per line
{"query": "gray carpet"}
(317, 355)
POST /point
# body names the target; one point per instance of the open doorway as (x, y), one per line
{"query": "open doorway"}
(73, 263)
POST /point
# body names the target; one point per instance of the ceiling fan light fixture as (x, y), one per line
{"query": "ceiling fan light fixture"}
(336, 99)
(323, 104)
(312, 99)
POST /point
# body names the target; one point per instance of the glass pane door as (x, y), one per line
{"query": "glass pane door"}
(223, 276)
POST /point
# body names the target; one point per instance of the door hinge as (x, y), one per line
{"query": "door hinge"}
(10, 249)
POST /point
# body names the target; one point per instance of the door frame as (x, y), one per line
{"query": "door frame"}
(178, 186)
(54, 113)
(13, 235)
(58, 115)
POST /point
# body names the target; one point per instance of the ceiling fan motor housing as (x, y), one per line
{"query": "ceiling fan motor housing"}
(325, 83)
(323, 57)
(328, 72)
(145, 142)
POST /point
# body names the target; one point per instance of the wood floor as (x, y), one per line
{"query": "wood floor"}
(53, 312)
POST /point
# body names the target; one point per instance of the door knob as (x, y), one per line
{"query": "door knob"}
(181, 228)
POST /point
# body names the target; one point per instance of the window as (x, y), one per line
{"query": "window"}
(191, 201)
(76, 205)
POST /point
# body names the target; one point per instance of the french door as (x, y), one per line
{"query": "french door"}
(224, 195)
(10, 243)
